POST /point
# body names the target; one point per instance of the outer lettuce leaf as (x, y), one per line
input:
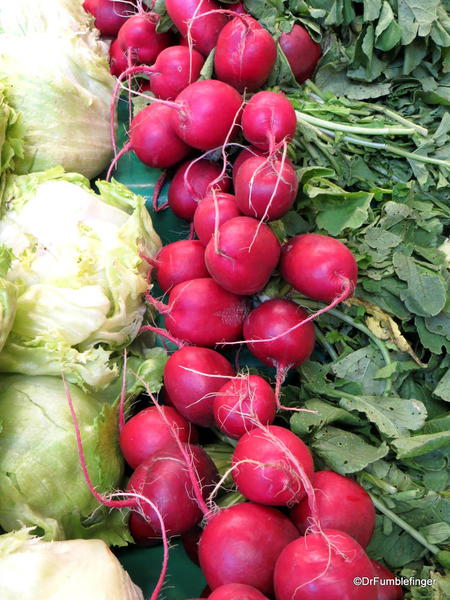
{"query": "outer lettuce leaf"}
(40, 475)
(71, 570)
(61, 85)
(78, 266)
(8, 297)
(11, 133)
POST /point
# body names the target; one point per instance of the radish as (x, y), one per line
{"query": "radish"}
(387, 591)
(323, 566)
(118, 61)
(142, 532)
(208, 115)
(188, 19)
(242, 403)
(243, 256)
(214, 209)
(354, 513)
(180, 261)
(139, 37)
(164, 479)
(245, 54)
(190, 540)
(192, 377)
(202, 313)
(175, 68)
(271, 465)
(265, 188)
(191, 184)
(236, 591)
(241, 544)
(146, 433)
(302, 52)
(268, 119)
(319, 267)
(237, 7)
(109, 15)
(251, 152)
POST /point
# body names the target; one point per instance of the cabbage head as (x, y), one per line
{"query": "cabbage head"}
(62, 87)
(31, 569)
(78, 266)
(41, 481)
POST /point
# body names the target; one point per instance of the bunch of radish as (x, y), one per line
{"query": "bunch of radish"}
(290, 539)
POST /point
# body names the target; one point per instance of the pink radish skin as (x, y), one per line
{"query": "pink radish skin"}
(192, 377)
(147, 433)
(209, 111)
(242, 403)
(237, 591)
(272, 318)
(238, 8)
(202, 313)
(268, 119)
(117, 59)
(109, 15)
(323, 567)
(354, 513)
(320, 267)
(275, 480)
(143, 533)
(243, 257)
(190, 185)
(241, 544)
(302, 52)
(180, 261)
(387, 591)
(153, 138)
(264, 189)
(175, 68)
(186, 15)
(164, 479)
(205, 214)
(138, 36)
(245, 54)
(251, 152)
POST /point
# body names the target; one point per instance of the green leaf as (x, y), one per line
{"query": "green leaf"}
(208, 67)
(442, 390)
(325, 413)
(360, 367)
(409, 447)
(346, 210)
(392, 416)
(387, 32)
(346, 452)
(416, 17)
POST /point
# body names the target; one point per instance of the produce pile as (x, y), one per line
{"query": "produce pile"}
(270, 385)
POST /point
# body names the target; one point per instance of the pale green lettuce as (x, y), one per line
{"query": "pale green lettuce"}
(79, 271)
(8, 297)
(11, 133)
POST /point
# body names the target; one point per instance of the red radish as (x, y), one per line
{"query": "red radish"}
(268, 119)
(320, 267)
(302, 52)
(242, 403)
(251, 152)
(118, 61)
(192, 377)
(323, 567)
(147, 433)
(243, 256)
(138, 36)
(153, 138)
(205, 592)
(190, 185)
(387, 591)
(283, 463)
(238, 8)
(180, 261)
(237, 591)
(109, 15)
(209, 112)
(354, 513)
(188, 19)
(265, 188)
(202, 313)
(272, 319)
(142, 532)
(164, 479)
(205, 217)
(175, 68)
(241, 544)
(245, 54)
(190, 540)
